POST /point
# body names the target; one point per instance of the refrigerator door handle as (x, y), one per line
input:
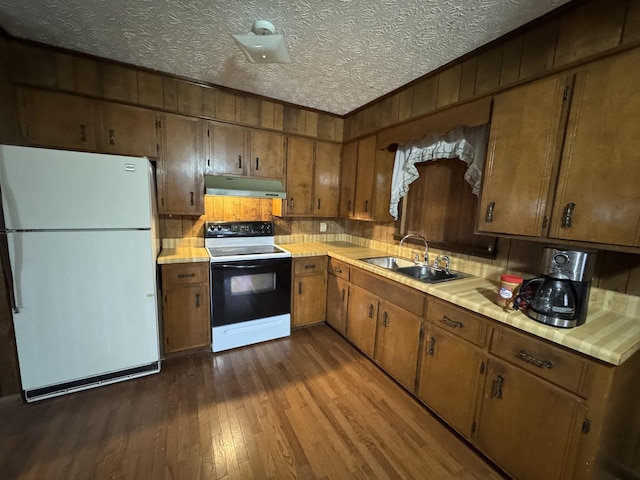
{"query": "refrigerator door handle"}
(5, 261)
(6, 272)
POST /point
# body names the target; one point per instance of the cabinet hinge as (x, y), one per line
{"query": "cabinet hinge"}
(482, 367)
(586, 426)
(473, 427)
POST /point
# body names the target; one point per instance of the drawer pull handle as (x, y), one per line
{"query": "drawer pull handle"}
(257, 163)
(452, 323)
(239, 161)
(312, 265)
(431, 349)
(371, 310)
(366, 205)
(318, 204)
(538, 362)
(497, 386)
(112, 140)
(299, 288)
(186, 275)
(385, 319)
(197, 300)
(83, 133)
(342, 295)
(337, 270)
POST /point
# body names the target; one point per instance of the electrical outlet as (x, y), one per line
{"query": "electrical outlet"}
(323, 227)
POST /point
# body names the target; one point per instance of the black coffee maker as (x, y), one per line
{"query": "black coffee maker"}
(561, 296)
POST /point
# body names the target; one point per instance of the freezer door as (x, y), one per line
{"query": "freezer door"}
(86, 303)
(55, 189)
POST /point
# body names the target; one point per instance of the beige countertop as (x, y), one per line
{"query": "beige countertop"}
(607, 335)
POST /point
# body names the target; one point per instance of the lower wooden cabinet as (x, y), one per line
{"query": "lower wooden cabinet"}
(362, 320)
(527, 426)
(309, 290)
(337, 301)
(449, 378)
(398, 341)
(186, 321)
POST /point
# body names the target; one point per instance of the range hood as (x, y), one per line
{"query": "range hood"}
(243, 187)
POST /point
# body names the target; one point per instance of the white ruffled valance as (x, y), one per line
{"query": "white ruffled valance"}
(469, 144)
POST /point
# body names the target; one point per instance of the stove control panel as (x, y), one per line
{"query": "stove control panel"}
(238, 229)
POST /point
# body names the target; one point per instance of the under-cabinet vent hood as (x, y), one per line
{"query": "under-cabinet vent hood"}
(243, 187)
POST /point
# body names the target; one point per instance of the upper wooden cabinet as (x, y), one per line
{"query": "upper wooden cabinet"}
(241, 151)
(524, 145)
(50, 119)
(585, 190)
(181, 185)
(126, 130)
(598, 194)
(313, 178)
(366, 181)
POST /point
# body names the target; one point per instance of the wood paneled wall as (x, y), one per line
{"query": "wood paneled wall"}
(578, 32)
(44, 67)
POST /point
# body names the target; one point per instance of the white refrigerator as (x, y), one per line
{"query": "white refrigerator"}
(79, 249)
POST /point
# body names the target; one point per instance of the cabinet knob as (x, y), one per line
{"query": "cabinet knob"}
(488, 217)
(566, 216)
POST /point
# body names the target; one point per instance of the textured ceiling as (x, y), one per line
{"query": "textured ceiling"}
(345, 53)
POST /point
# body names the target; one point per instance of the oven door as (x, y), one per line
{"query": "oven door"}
(249, 290)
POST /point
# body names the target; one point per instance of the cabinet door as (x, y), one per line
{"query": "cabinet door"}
(181, 165)
(398, 343)
(449, 377)
(528, 427)
(228, 149)
(266, 155)
(365, 175)
(300, 155)
(598, 197)
(326, 185)
(309, 299)
(186, 317)
(362, 319)
(348, 178)
(524, 146)
(126, 130)
(337, 300)
(56, 120)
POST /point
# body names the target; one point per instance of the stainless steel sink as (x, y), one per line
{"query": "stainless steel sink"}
(423, 273)
(390, 263)
(429, 274)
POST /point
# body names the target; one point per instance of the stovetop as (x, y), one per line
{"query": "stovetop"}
(243, 250)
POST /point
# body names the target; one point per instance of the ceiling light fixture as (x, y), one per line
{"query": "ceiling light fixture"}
(262, 45)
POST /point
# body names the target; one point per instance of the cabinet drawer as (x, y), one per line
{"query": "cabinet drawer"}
(185, 273)
(461, 322)
(406, 297)
(565, 369)
(338, 268)
(310, 265)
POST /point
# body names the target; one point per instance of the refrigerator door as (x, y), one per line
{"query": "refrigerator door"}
(86, 303)
(46, 189)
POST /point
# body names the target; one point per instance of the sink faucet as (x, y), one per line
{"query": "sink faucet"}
(426, 248)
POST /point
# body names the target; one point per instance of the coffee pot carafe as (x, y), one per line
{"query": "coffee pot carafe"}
(561, 296)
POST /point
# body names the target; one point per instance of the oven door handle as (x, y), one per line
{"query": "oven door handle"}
(226, 265)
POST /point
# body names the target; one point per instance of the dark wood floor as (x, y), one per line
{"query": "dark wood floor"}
(309, 407)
